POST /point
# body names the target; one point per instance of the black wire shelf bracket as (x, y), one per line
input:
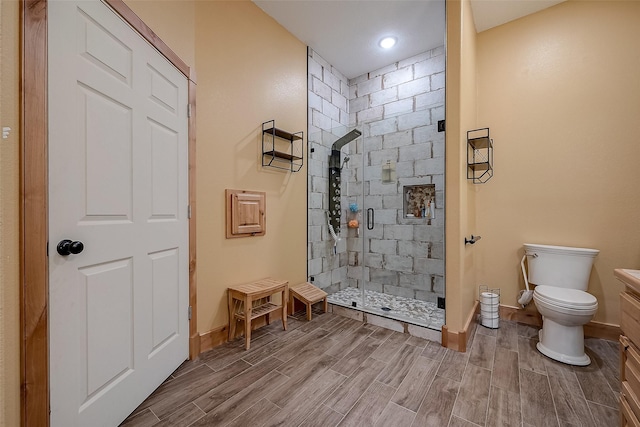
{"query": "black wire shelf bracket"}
(479, 155)
(281, 149)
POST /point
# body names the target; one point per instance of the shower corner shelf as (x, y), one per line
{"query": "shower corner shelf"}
(281, 149)
(479, 155)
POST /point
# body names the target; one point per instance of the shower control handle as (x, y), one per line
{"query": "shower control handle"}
(370, 219)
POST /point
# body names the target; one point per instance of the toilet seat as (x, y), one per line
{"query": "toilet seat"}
(565, 298)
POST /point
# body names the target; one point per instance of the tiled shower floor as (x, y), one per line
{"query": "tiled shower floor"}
(410, 310)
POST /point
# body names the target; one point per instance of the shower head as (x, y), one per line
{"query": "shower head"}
(346, 139)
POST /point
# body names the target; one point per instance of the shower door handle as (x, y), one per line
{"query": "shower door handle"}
(370, 219)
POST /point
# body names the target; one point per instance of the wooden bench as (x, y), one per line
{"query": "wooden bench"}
(241, 298)
(308, 294)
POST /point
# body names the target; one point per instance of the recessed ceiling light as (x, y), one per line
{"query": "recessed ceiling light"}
(388, 42)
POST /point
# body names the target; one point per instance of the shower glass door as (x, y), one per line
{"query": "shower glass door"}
(376, 196)
(403, 236)
(376, 219)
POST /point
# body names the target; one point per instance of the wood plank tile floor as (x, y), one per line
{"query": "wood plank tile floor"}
(335, 371)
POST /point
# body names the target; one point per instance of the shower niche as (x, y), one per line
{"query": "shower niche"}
(419, 201)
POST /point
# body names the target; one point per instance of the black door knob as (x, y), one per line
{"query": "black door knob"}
(68, 247)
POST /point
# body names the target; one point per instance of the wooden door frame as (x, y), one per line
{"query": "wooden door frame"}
(34, 292)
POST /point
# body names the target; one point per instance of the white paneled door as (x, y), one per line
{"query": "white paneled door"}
(118, 184)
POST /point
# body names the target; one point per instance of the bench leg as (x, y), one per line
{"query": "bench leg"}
(247, 323)
(326, 305)
(232, 317)
(285, 297)
(308, 304)
(232, 328)
(290, 308)
(268, 316)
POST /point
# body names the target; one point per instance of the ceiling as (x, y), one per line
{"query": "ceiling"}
(346, 33)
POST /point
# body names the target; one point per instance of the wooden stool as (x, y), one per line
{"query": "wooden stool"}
(241, 298)
(307, 294)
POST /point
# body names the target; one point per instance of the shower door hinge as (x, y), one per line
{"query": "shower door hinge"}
(189, 110)
(189, 312)
(441, 303)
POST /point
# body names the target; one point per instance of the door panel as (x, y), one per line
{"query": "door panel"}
(107, 132)
(118, 182)
(164, 172)
(104, 49)
(165, 274)
(163, 91)
(108, 321)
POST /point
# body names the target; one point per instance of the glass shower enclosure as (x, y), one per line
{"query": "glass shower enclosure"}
(376, 218)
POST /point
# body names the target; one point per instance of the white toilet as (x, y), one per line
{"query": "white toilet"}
(562, 276)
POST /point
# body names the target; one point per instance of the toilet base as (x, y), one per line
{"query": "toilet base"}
(562, 343)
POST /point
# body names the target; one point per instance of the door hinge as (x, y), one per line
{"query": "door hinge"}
(189, 212)
(189, 312)
(189, 110)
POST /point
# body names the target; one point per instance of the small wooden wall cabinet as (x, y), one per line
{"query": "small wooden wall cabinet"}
(630, 347)
(246, 213)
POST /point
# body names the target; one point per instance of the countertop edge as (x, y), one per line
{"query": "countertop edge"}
(627, 279)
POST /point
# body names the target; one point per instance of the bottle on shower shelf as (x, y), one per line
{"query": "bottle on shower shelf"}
(353, 216)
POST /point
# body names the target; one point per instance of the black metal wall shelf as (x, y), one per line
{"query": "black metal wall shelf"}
(479, 155)
(281, 149)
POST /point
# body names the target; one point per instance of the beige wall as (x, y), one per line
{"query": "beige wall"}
(561, 93)
(173, 21)
(460, 105)
(250, 70)
(9, 217)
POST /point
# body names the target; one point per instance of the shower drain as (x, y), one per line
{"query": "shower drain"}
(385, 309)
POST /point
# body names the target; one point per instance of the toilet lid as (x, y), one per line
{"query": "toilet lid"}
(566, 297)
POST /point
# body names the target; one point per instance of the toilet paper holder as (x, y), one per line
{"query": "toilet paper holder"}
(472, 240)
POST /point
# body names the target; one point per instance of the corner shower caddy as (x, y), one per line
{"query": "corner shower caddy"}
(281, 149)
(479, 156)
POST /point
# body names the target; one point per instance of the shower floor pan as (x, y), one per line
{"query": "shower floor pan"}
(421, 313)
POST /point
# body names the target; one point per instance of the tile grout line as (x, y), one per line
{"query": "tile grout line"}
(458, 393)
(553, 399)
(493, 365)
(520, 384)
(347, 378)
(587, 401)
(430, 385)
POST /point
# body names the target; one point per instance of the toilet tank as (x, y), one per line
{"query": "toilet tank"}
(559, 266)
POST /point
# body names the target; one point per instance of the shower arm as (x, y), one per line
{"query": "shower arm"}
(345, 140)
